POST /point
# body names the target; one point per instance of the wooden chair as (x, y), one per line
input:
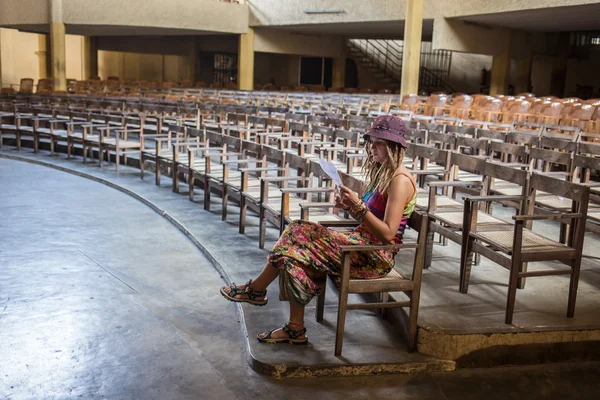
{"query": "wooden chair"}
(157, 149)
(119, 140)
(515, 247)
(392, 282)
(25, 87)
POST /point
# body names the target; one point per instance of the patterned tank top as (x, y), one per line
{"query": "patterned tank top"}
(377, 201)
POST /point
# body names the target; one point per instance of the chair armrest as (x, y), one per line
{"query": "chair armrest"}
(317, 205)
(261, 169)
(356, 155)
(550, 217)
(243, 161)
(286, 179)
(428, 172)
(208, 154)
(453, 183)
(473, 199)
(357, 248)
(308, 190)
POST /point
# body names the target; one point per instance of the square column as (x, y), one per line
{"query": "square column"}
(411, 58)
(246, 61)
(58, 54)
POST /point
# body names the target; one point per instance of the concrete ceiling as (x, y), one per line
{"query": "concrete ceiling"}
(357, 30)
(555, 19)
(114, 30)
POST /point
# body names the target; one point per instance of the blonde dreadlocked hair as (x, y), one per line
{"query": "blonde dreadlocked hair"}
(381, 174)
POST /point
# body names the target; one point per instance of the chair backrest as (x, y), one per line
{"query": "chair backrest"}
(474, 165)
(26, 85)
(506, 173)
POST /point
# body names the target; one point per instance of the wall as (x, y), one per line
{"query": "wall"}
(291, 12)
(74, 55)
(283, 42)
(278, 69)
(196, 15)
(18, 56)
(583, 72)
(140, 66)
(465, 71)
(541, 74)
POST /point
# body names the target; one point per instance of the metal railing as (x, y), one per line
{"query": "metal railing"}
(387, 55)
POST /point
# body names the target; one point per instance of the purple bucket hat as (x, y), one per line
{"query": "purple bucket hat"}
(390, 128)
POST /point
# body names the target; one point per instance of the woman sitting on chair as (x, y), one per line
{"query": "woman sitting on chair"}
(307, 252)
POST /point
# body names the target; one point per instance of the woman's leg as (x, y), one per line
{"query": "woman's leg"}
(295, 323)
(260, 283)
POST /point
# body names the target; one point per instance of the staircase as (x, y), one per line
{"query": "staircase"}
(384, 59)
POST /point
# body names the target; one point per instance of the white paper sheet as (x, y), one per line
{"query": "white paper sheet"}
(331, 171)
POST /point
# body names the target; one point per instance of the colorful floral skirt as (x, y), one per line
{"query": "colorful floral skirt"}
(307, 252)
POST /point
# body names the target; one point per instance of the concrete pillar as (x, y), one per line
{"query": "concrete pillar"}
(59, 65)
(246, 61)
(57, 45)
(411, 59)
(501, 68)
(89, 54)
(1, 58)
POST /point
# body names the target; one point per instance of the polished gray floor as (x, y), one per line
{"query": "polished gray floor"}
(100, 297)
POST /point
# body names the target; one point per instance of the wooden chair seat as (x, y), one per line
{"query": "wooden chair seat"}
(504, 239)
(392, 282)
(56, 132)
(123, 144)
(442, 202)
(455, 218)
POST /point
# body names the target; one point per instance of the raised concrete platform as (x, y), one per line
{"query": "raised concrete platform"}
(468, 329)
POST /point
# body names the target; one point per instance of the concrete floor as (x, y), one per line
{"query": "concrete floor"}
(100, 297)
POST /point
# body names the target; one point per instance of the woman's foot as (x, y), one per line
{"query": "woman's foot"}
(244, 294)
(291, 332)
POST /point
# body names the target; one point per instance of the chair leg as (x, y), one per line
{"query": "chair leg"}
(224, 200)
(512, 288)
(117, 159)
(384, 297)
(262, 227)
(573, 287)
(341, 320)
(157, 172)
(243, 209)
(521, 281)
(321, 303)
(466, 263)
(413, 322)
(191, 185)
(428, 249)
(100, 155)
(206, 194)
(141, 166)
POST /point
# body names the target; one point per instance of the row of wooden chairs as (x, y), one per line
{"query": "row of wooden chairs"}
(229, 149)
